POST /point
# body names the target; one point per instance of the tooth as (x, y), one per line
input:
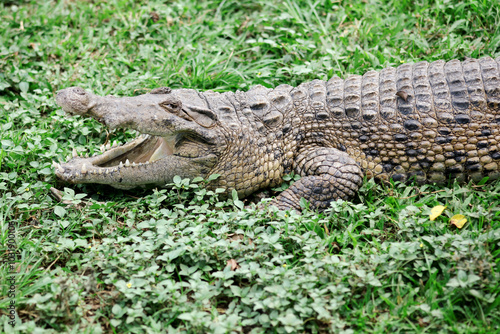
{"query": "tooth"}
(133, 163)
(84, 169)
(115, 143)
(127, 163)
(86, 155)
(121, 164)
(58, 167)
(108, 146)
(75, 154)
(102, 148)
(100, 171)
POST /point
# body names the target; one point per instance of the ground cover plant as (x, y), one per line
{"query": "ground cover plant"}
(186, 260)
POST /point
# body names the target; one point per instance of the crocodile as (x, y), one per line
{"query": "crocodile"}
(427, 122)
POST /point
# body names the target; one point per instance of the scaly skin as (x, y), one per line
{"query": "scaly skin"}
(428, 121)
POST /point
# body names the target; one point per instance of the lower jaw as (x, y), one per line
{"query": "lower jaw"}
(141, 152)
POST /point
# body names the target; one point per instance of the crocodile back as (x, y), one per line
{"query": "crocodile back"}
(431, 121)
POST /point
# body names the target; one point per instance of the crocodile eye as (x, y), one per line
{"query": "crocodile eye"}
(171, 106)
(80, 91)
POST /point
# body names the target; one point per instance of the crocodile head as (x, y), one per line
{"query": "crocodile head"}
(179, 136)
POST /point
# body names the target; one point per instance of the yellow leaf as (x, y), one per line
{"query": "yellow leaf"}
(458, 220)
(436, 212)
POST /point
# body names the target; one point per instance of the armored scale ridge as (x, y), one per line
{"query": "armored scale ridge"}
(426, 121)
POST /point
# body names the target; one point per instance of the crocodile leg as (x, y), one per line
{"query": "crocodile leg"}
(327, 175)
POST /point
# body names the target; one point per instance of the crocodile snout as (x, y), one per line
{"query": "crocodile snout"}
(74, 100)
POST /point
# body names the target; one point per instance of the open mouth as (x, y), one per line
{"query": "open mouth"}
(142, 151)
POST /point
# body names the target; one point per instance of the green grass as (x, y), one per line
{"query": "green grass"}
(156, 261)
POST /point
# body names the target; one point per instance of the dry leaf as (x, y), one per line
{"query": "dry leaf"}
(154, 16)
(458, 220)
(234, 236)
(436, 212)
(234, 265)
(422, 323)
(335, 247)
(327, 231)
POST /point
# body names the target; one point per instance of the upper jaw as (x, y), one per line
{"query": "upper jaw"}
(143, 113)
